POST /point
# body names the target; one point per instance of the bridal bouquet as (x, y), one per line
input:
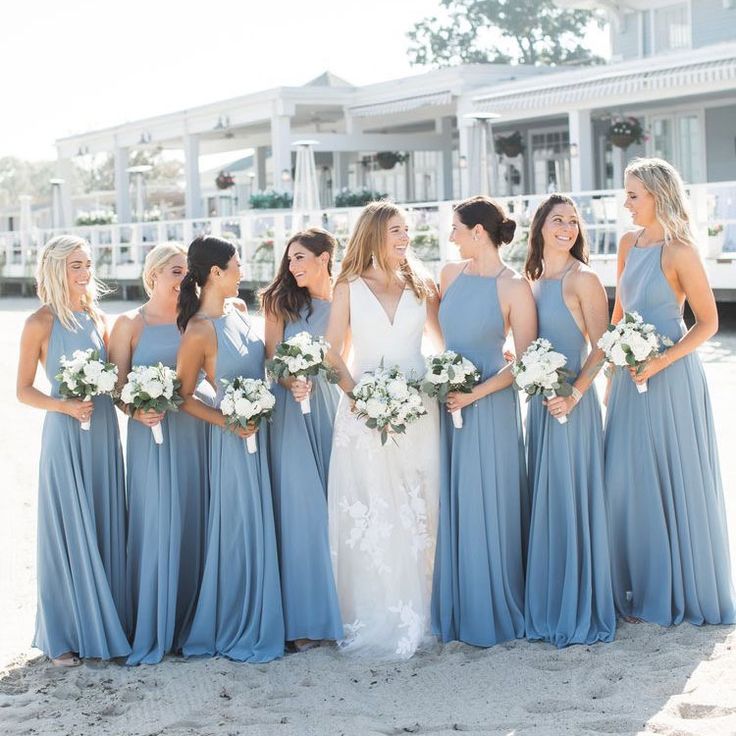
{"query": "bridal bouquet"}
(388, 401)
(84, 375)
(152, 388)
(299, 357)
(540, 371)
(630, 343)
(246, 400)
(448, 372)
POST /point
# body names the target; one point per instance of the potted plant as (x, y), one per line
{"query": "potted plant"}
(357, 197)
(510, 146)
(389, 159)
(624, 131)
(270, 200)
(225, 180)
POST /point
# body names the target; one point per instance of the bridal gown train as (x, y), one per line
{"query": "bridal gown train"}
(383, 499)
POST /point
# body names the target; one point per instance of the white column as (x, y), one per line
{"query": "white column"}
(65, 171)
(122, 184)
(26, 224)
(281, 150)
(340, 165)
(193, 195)
(619, 164)
(443, 126)
(409, 178)
(259, 167)
(469, 177)
(582, 172)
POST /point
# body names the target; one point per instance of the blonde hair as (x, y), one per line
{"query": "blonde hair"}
(52, 285)
(366, 248)
(157, 259)
(664, 183)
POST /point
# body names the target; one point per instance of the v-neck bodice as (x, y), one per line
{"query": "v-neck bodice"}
(376, 339)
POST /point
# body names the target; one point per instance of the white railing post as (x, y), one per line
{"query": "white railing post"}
(279, 237)
(444, 228)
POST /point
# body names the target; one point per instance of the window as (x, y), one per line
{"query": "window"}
(671, 28)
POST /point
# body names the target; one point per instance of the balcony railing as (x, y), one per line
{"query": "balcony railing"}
(261, 235)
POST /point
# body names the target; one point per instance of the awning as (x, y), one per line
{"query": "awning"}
(609, 84)
(404, 104)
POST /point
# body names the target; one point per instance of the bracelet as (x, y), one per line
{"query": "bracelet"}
(576, 394)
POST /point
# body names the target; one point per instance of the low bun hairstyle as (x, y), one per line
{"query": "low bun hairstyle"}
(156, 261)
(490, 215)
(204, 252)
(534, 266)
(283, 297)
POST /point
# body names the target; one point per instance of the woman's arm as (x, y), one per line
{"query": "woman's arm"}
(593, 301)
(337, 329)
(432, 327)
(685, 260)
(522, 313)
(199, 342)
(33, 341)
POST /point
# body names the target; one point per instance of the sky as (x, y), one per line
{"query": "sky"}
(78, 65)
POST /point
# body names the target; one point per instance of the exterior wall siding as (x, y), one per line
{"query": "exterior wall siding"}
(625, 42)
(712, 22)
(720, 137)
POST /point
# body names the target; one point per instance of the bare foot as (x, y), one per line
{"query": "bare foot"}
(66, 660)
(632, 620)
(304, 645)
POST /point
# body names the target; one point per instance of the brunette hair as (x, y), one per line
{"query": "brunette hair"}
(283, 298)
(204, 252)
(366, 247)
(534, 265)
(488, 213)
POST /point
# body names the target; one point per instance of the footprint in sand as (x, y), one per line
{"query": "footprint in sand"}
(695, 711)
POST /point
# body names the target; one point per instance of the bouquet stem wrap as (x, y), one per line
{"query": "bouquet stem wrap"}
(642, 388)
(158, 434)
(457, 418)
(251, 444)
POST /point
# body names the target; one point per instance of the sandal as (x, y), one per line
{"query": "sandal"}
(66, 660)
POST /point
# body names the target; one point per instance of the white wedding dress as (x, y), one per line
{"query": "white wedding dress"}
(383, 499)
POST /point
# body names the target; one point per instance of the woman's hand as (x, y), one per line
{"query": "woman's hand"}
(560, 406)
(79, 410)
(236, 429)
(150, 418)
(300, 389)
(509, 356)
(653, 366)
(457, 400)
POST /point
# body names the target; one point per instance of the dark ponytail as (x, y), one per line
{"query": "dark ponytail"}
(204, 252)
(283, 298)
(490, 215)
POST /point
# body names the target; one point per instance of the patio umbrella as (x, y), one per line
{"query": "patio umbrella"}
(306, 187)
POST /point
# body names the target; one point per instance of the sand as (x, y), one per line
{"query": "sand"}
(679, 681)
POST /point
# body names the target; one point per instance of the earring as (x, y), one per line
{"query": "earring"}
(475, 237)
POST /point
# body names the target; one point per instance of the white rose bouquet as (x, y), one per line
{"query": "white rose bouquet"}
(299, 357)
(449, 372)
(540, 371)
(247, 400)
(84, 375)
(152, 388)
(388, 401)
(630, 343)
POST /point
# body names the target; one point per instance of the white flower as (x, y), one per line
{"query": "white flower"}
(106, 381)
(227, 406)
(375, 408)
(244, 408)
(153, 388)
(617, 354)
(397, 389)
(126, 395)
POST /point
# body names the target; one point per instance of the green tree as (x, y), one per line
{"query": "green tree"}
(502, 31)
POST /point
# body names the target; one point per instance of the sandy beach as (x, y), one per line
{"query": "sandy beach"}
(674, 682)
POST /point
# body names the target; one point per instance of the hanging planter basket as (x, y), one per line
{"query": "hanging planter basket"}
(621, 140)
(624, 131)
(225, 180)
(510, 146)
(389, 159)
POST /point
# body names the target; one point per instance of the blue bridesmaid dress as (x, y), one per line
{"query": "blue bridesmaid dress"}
(667, 520)
(238, 613)
(167, 497)
(478, 586)
(568, 599)
(300, 459)
(81, 519)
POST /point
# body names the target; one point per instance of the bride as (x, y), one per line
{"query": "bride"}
(382, 499)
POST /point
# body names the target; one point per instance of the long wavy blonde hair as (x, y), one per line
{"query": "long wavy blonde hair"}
(366, 248)
(52, 285)
(664, 183)
(156, 261)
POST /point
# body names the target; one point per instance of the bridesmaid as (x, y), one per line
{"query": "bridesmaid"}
(568, 580)
(238, 614)
(166, 483)
(667, 521)
(298, 300)
(478, 591)
(81, 494)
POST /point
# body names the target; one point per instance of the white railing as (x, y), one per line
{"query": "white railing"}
(261, 235)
